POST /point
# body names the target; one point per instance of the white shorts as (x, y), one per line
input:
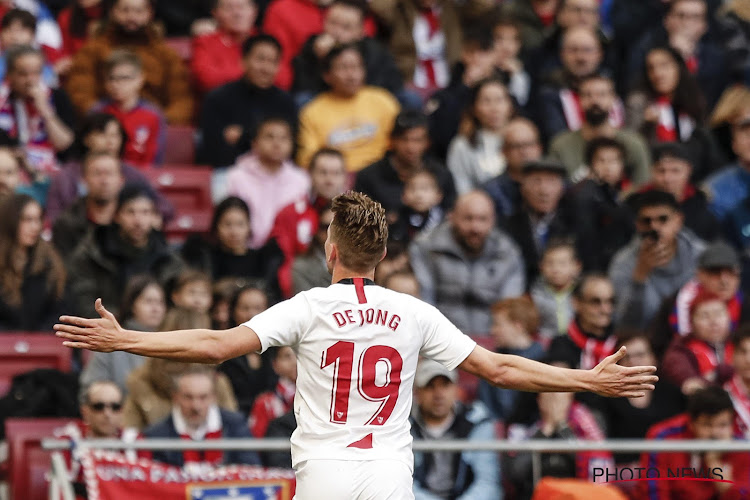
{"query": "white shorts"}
(354, 480)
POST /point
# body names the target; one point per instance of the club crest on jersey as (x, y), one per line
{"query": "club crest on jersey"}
(370, 316)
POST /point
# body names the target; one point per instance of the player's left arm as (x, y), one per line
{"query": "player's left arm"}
(105, 334)
(515, 372)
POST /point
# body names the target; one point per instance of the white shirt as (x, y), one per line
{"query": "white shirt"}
(357, 352)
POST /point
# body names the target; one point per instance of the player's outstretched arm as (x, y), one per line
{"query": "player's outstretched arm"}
(606, 379)
(105, 334)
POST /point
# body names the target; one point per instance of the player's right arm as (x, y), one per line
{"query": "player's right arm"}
(197, 346)
(515, 372)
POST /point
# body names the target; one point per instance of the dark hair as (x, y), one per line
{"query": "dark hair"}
(223, 207)
(254, 40)
(674, 150)
(425, 172)
(15, 53)
(79, 22)
(96, 122)
(470, 122)
(597, 143)
(561, 243)
(408, 120)
(585, 279)
(597, 77)
(134, 191)
(255, 286)
(656, 198)
(626, 335)
(742, 333)
(24, 17)
(95, 155)
(708, 401)
(133, 289)
(352, 4)
(502, 20)
(333, 54)
(478, 36)
(122, 58)
(325, 151)
(687, 96)
(268, 120)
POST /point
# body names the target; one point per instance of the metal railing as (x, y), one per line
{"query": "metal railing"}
(537, 447)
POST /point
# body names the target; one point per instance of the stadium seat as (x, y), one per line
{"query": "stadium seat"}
(23, 352)
(180, 145)
(183, 46)
(28, 463)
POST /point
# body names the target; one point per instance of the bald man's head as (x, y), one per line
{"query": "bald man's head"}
(581, 51)
(473, 219)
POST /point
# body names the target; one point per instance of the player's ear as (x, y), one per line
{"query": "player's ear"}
(385, 252)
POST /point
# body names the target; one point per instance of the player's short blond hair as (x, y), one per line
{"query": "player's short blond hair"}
(359, 229)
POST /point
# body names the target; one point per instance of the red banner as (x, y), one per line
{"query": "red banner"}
(113, 476)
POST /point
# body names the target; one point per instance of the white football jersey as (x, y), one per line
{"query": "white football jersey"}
(357, 348)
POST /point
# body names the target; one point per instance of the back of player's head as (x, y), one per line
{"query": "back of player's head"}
(359, 230)
(708, 401)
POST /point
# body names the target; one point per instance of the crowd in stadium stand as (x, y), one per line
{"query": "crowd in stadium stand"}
(561, 177)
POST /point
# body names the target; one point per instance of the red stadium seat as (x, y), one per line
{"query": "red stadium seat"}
(183, 46)
(180, 145)
(22, 352)
(28, 463)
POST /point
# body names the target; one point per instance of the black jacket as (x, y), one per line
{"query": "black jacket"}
(238, 103)
(71, 227)
(39, 308)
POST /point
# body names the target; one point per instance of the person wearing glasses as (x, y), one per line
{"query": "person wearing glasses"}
(662, 256)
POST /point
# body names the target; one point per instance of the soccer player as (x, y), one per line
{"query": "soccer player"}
(357, 347)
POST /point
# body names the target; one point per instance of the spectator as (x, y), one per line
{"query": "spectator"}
(542, 215)
(396, 260)
(351, 116)
(78, 21)
(729, 187)
(32, 275)
(48, 36)
(515, 322)
(102, 177)
(552, 292)
(630, 418)
(17, 29)
(445, 107)
(536, 17)
(718, 274)
(36, 117)
(709, 416)
(310, 269)
(343, 24)
(196, 416)
(16, 177)
(669, 107)
(671, 172)
(590, 336)
(273, 404)
(656, 263)
(180, 19)
(600, 202)
(521, 144)
(192, 291)
(297, 223)
(144, 123)
(266, 179)
(704, 356)
(422, 211)
(598, 102)
(734, 19)
(685, 25)
(384, 180)
(130, 26)
(438, 414)
(506, 33)
(559, 108)
(217, 56)
(281, 427)
(100, 133)
(403, 282)
(466, 264)
(226, 252)
(231, 113)
(143, 308)
(251, 374)
(558, 416)
(738, 386)
(474, 155)
(109, 255)
(222, 292)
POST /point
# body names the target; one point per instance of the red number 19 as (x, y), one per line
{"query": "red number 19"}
(341, 355)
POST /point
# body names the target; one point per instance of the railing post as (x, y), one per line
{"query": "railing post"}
(60, 479)
(536, 466)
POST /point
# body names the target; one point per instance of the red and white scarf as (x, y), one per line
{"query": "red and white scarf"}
(593, 350)
(429, 41)
(708, 356)
(211, 429)
(574, 115)
(679, 318)
(741, 401)
(667, 128)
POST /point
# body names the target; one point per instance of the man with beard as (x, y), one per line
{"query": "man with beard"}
(597, 100)
(130, 28)
(466, 264)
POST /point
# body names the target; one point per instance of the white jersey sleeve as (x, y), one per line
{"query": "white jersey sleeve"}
(282, 324)
(443, 341)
